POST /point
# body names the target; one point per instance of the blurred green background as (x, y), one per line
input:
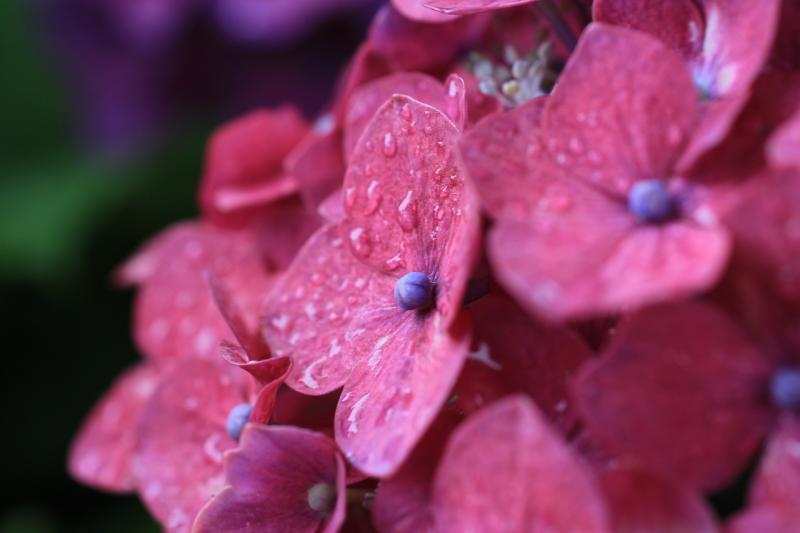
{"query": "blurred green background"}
(67, 218)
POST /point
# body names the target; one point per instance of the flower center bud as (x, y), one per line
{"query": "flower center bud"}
(322, 497)
(784, 388)
(651, 201)
(237, 419)
(517, 78)
(413, 291)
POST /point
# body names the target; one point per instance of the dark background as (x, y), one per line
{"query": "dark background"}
(70, 211)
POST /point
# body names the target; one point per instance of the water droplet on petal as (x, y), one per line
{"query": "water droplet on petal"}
(359, 243)
(373, 197)
(576, 146)
(350, 197)
(369, 146)
(427, 129)
(407, 212)
(389, 145)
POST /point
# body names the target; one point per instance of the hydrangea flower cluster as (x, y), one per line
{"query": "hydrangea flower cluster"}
(536, 269)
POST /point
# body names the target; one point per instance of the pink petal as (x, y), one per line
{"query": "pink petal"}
(409, 207)
(512, 353)
(504, 469)
(315, 311)
(281, 231)
(419, 11)
(409, 45)
(332, 207)
(772, 506)
(243, 170)
(766, 225)
(579, 253)
(317, 165)
(632, 129)
(500, 153)
(678, 390)
(175, 314)
(783, 148)
(775, 97)
(640, 503)
(101, 453)
(737, 41)
(371, 96)
(678, 23)
(252, 343)
(403, 502)
(467, 7)
(396, 390)
(182, 438)
(269, 477)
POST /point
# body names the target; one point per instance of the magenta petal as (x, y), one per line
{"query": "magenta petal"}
(252, 343)
(409, 207)
(403, 502)
(269, 477)
(467, 7)
(639, 503)
(634, 127)
(677, 23)
(368, 98)
(738, 38)
(766, 226)
(101, 453)
(772, 506)
(317, 165)
(175, 314)
(409, 45)
(243, 170)
(332, 207)
(500, 152)
(512, 353)
(182, 438)
(679, 390)
(395, 392)
(783, 148)
(579, 253)
(314, 311)
(505, 469)
(417, 10)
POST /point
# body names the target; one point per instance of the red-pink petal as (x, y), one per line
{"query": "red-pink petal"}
(396, 390)
(316, 310)
(417, 10)
(514, 354)
(500, 152)
(409, 207)
(772, 506)
(317, 164)
(616, 117)
(409, 45)
(766, 226)
(101, 453)
(783, 148)
(467, 7)
(579, 253)
(775, 97)
(505, 469)
(368, 98)
(678, 23)
(182, 438)
(243, 170)
(639, 502)
(269, 477)
(175, 315)
(680, 391)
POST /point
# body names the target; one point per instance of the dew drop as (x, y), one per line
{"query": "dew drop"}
(369, 146)
(440, 147)
(316, 278)
(393, 263)
(407, 212)
(575, 146)
(359, 242)
(374, 196)
(389, 145)
(350, 197)
(427, 129)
